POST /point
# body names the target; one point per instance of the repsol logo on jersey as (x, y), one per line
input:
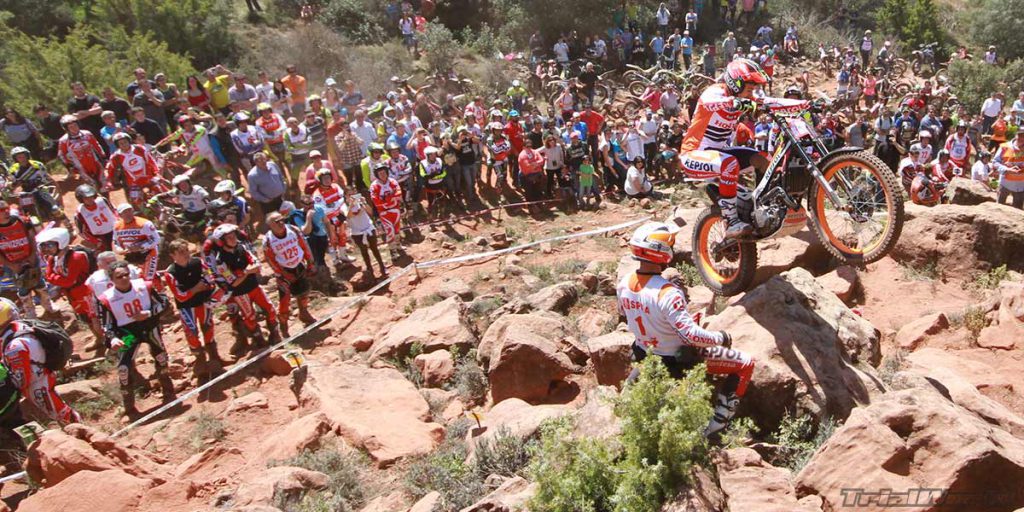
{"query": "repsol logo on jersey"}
(628, 304)
(694, 165)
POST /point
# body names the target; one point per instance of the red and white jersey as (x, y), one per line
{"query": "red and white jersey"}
(100, 282)
(655, 311)
(124, 305)
(82, 151)
(399, 168)
(14, 240)
(138, 165)
(100, 219)
(386, 195)
(140, 235)
(959, 149)
(271, 129)
(286, 252)
(714, 120)
(331, 198)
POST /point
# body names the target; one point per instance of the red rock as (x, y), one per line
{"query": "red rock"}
(428, 503)
(546, 324)
(362, 343)
(80, 390)
(1002, 337)
(558, 297)
(212, 464)
(436, 367)
(612, 357)
(510, 496)
(254, 400)
(453, 411)
(304, 433)
(276, 364)
(437, 327)
(527, 366)
(962, 239)
(750, 483)
(377, 410)
(277, 484)
(391, 502)
(90, 491)
(515, 417)
(57, 456)
(911, 336)
(594, 322)
(843, 282)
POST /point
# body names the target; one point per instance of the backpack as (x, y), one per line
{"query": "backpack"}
(89, 253)
(55, 341)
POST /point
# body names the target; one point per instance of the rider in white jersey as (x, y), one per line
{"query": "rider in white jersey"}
(655, 311)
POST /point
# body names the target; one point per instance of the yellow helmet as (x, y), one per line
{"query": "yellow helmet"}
(263, 106)
(8, 313)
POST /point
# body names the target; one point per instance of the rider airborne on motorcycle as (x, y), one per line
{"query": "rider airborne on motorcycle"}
(705, 152)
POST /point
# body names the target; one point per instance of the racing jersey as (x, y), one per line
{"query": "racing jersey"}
(247, 142)
(499, 148)
(330, 198)
(959, 149)
(908, 168)
(197, 141)
(271, 129)
(81, 152)
(715, 118)
(655, 311)
(100, 282)
(194, 200)
(98, 220)
(287, 252)
(119, 307)
(24, 356)
(399, 168)
(386, 195)
(433, 172)
(69, 273)
(181, 279)
(945, 173)
(16, 241)
(226, 265)
(137, 163)
(30, 176)
(925, 155)
(138, 236)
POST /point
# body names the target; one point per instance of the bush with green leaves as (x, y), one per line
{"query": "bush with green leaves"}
(995, 22)
(973, 80)
(801, 436)
(662, 439)
(362, 21)
(914, 22)
(440, 47)
(344, 490)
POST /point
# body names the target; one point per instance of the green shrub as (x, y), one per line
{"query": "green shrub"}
(991, 279)
(362, 21)
(344, 490)
(926, 271)
(662, 439)
(440, 47)
(505, 455)
(973, 80)
(995, 22)
(689, 273)
(802, 437)
(445, 470)
(974, 321)
(469, 379)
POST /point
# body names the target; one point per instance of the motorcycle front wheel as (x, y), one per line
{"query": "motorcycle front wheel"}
(727, 267)
(867, 223)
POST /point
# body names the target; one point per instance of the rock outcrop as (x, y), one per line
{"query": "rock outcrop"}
(962, 239)
(436, 327)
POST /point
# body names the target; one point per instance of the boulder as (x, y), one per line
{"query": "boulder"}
(279, 484)
(211, 465)
(546, 324)
(57, 455)
(558, 297)
(390, 502)
(80, 390)
(276, 364)
(526, 367)
(968, 192)
(362, 343)
(1007, 327)
(913, 335)
(435, 367)
(510, 496)
(805, 343)
(612, 356)
(912, 439)
(594, 322)
(437, 327)
(962, 239)
(302, 434)
(254, 400)
(376, 410)
(515, 417)
(701, 494)
(802, 249)
(588, 280)
(455, 286)
(750, 483)
(90, 491)
(843, 281)
(429, 503)
(597, 419)
(367, 318)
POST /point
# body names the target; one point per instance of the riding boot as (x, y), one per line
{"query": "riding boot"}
(214, 364)
(737, 228)
(200, 367)
(128, 399)
(241, 344)
(304, 315)
(283, 324)
(725, 409)
(274, 336)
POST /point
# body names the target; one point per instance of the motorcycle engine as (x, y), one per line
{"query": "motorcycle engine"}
(771, 212)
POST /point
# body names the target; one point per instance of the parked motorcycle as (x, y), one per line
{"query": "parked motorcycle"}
(854, 200)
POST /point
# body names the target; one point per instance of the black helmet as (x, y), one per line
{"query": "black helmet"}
(84, 191)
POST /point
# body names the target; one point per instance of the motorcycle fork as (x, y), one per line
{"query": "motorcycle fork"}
(813, 166)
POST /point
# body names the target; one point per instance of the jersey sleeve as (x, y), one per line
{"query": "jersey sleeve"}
(153, 235)
(19, 362)
(672, 304)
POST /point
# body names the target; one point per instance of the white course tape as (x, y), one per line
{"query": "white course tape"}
(427, 264)
(491, 254)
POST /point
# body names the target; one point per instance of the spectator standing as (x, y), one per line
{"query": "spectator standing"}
(296, 85)
(866, 46)
(729, 46)
(21, 132)
(299, 143)
(531, 172)
(1017, 110)
(662, 17)
(243, 94)
(350, 154)
(264, 87)
(196, 93)
(990, 110)
(121, 108)
(364, 131)
(267, 184)
(1009, 163)
(86, 108)
(686, 47)
(218, 80)
(691, 20)
(151, 102)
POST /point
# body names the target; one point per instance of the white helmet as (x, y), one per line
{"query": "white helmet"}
(653, 242)
(121, 136)
(59, 235)
(222, 230)
(20, 150)
(516, 83)
(225, 186)
(431, 150)
(924, 133)
(181, 178)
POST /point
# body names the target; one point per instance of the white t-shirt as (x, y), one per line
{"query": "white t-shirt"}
(648, 130)
(991, 107)
(265, 92)
(636, 182)
(980, 171)
(663, 17)
(359, 221)
(561, 52)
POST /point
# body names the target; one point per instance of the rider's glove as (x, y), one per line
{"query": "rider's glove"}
(744, 105)
(726, 339)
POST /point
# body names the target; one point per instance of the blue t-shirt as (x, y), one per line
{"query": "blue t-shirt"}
(402, 141)
(687, 44)
(319, 219)
(658, 45)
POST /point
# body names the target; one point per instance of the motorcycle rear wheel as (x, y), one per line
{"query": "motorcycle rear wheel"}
(637, 87)
(716, 267)
(861, 170)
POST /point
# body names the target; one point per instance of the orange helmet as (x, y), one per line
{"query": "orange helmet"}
(741, 72)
